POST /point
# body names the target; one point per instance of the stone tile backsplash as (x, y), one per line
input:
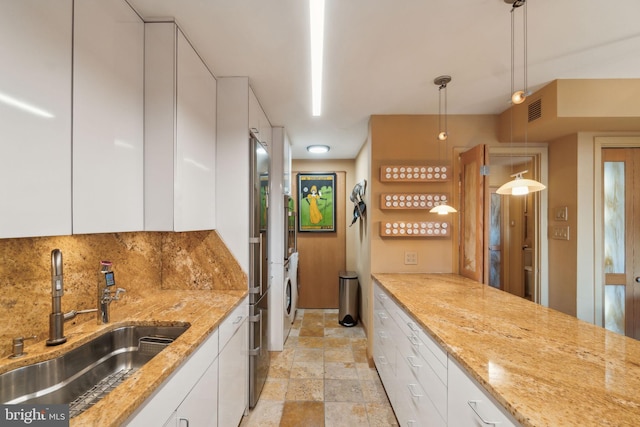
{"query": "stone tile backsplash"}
(143, 262)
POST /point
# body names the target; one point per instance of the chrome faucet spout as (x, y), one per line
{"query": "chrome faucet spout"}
(56, 318)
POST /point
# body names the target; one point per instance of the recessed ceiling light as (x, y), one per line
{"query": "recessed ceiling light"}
(318, 149)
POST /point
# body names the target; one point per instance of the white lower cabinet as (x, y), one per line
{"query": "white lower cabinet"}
(233, 381)
(470, 404)
(210, 388)
(425, 385)
(412, 381)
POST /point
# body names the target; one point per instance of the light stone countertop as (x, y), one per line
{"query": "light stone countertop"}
(545, 367)
(203, 310)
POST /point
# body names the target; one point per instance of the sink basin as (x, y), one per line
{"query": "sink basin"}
(84, 375)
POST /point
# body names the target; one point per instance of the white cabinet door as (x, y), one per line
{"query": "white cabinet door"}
(200, 407)
(180, 134)
(108, 73)
(196, 142)
(258, 122)
(35, 118)
(469, 404)
(234, 377)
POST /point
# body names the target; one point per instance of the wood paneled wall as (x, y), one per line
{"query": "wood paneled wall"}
(322, 256)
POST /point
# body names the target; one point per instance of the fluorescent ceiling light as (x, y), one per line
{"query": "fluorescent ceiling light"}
(316, 26)
(318, 149)
(24, 106)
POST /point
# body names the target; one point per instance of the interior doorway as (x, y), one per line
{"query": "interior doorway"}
(517, 240)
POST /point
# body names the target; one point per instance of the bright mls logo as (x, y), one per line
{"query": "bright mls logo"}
(34, 415)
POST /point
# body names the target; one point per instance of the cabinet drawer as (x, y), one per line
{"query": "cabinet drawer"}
(434, 348)
(382, 298)
(415, 406)
(232, 322)
(470, 404)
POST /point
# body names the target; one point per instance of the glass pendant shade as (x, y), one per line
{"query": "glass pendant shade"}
(443, 209)
(520, 186)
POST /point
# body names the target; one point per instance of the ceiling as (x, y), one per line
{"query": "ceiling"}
(381, 56)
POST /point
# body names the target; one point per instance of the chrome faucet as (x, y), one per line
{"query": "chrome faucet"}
(56, 318)
(105, 282)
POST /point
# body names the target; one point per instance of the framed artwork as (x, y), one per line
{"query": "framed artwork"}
(317, 202)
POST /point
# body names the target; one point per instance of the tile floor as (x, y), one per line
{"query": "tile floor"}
(322, 378)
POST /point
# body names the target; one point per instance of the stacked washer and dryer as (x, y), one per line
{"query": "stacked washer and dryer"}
(283, 258)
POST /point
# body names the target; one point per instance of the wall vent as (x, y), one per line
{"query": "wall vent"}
(535, 110)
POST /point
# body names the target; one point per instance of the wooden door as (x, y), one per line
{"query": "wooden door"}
(322, 256)
(621, 199)
(474, 222)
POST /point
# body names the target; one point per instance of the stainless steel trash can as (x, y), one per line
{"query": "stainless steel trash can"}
(348, 294)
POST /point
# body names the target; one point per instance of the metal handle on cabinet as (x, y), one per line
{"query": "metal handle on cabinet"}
(382, 316)
(412, 391)
(414, 340)
(180, 420)
(382, 335)
(473, 404)
(238, 320)
(638, 279)
(412, 326)
(411, 422)
(412, 363)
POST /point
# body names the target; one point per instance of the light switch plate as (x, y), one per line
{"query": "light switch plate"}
(561, 213)
(560, 232)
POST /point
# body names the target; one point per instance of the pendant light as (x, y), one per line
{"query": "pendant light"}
(443, 134)
(519, 186)
(518, 96)
(441, 82)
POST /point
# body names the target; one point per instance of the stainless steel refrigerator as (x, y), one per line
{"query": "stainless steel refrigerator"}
(258, 271)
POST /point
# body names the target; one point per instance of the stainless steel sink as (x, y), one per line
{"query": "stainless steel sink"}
(84, 375)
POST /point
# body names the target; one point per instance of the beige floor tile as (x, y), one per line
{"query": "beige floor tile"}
(365, 372)
(311, 331)
(337, 342)
(266, 414)
(274, 389)
(343, 391)
(373, 392)
(380, 415)
(343, 414)
(338, 355)
(360, 355)
(305, 389)
(298, 414)
(313, 370)
(340, 371)
(309, 355)
(311, 342)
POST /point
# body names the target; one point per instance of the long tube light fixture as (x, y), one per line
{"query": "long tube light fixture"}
(316, 25)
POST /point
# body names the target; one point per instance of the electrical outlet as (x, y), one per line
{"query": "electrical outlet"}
(411, 258)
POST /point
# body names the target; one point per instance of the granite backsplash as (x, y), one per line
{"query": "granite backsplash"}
(143, 262)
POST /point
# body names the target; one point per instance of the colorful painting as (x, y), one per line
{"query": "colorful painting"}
(317, 201)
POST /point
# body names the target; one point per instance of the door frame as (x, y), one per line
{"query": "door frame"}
(601, 142)
(539, 152)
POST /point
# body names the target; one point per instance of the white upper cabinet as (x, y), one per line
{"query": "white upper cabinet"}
(108, 117)
(258, 122)
(180, 133)
(35, 118)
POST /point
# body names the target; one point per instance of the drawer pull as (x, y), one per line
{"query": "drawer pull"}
(180, 420)
(413, 392)
(414, 340)
(382, 297)
(382, 335)
(412, 363)
(382, 316)
(473, 404)
(382, 360)
(238, 320)
(411, 422)
(412, 326)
